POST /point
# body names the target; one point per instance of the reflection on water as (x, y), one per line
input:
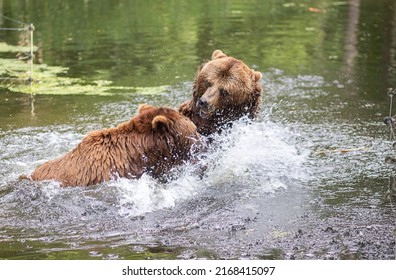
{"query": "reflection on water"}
(351, 37)
(307, 180)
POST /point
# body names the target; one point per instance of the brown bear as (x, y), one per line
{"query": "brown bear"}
(224, 90)
(152, 142)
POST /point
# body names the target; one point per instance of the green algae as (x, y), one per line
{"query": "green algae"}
(53, 80)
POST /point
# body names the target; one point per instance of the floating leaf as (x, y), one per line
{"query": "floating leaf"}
(316, 10)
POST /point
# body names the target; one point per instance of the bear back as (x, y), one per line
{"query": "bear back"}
(153, 141)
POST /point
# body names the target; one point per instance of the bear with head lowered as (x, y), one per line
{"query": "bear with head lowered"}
(225, 89)
(153, 141)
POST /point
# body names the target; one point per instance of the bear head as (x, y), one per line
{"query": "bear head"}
(226, 89)
(162, 120)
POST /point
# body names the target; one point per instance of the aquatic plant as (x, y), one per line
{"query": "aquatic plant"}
(53, 80)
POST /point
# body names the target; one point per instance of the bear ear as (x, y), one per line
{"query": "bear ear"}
(218, 54)
(257, 76)
(161, 123)
(144, 107)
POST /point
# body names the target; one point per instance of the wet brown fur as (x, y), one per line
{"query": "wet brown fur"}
(153, 141)
(244, 93)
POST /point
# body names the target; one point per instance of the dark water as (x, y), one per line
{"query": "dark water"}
(306, 181)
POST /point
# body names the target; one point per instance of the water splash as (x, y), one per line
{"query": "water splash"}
(248, 160)
(257, 156)
(146, 194)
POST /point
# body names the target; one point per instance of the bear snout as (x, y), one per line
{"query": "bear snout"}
(202, 103)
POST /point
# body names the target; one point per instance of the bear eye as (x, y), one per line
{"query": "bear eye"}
(223, 92)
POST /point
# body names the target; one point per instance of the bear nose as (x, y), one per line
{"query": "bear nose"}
(202, 103)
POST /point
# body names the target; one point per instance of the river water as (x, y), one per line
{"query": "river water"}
(307, 180)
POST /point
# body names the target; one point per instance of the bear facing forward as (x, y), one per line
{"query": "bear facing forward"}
(225, 89)
(152, 142)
